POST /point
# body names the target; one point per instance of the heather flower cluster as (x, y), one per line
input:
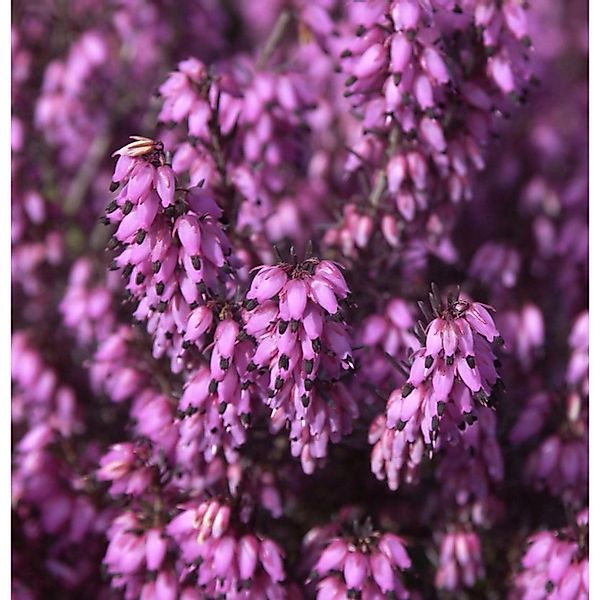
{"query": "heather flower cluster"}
(300, 300)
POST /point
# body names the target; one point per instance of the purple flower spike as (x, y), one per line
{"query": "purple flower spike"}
(289, 309)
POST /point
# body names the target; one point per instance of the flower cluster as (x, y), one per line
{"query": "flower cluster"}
(220, 385)
(555, 565)
(360, 563)
(451, 376)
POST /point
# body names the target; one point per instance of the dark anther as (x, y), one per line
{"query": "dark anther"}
(160, 288)
(450, 360)
(139, 278)
(224, 363)
(140, 236)
(441, 407)
(346, 53)
(407, 389)
(186, 344)
(316, 344)
(470, 418)
(112, 243)
(156, 266)
(196, 262)
(283, 325)
(295, 325)
(162, 306)
(308, 384)
(114, 185)
(471, 361)
(222, 407)
(212, 386)
(127, 207)
(400, 425)
(308, 366)
(360, 30)
(250, 304)
(428, 361)
(251, 367)
(284, 362)
(278, 383)
(112, 207)
(352, 79)
(435, 422)
(305, 399)
(127, 270)
(245, 419)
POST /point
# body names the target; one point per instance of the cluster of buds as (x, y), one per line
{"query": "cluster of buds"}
(134, 551)
(173, 251)
(560, 463)
(451, 375)
(460, 562)
(556, 565)
(424, 78)
(243, 127)
(223, 562)
(354, 560)
(87, 308)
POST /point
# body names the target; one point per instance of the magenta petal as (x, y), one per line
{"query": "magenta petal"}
(324, 295)
(382, 572)
(355, 570)
(188, 230)
(332, 557)
(165, 185)
(247, 556)
(156, 548)
(270, 557)
(294, 294)
(224, 555)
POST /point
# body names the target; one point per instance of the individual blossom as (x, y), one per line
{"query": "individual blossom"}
(578, 368)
